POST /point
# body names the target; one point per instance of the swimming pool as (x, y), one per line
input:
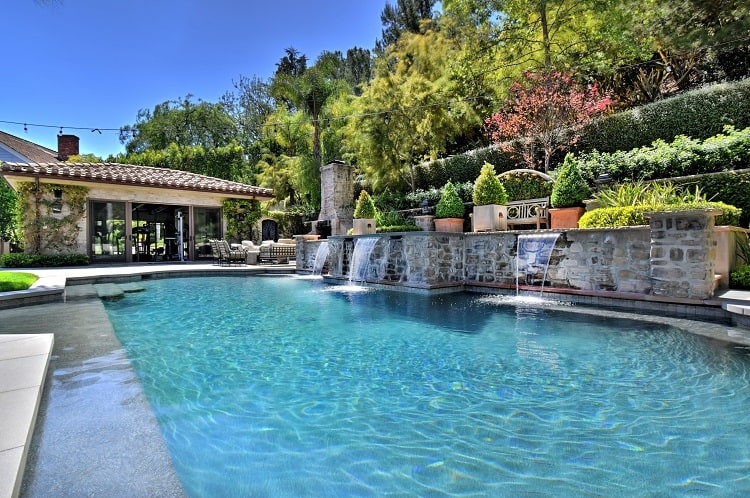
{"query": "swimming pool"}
(288, 387)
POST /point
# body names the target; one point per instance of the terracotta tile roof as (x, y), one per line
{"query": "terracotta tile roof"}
(29, 150)
(130, 174)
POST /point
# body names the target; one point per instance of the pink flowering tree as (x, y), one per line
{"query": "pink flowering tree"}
(547, 111)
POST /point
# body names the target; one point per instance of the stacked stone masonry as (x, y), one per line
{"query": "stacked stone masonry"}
(674, 257)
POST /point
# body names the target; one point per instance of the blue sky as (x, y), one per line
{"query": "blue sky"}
(95, 63)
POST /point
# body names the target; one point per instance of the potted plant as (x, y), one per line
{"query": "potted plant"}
(568, 194)
(489, 197)
(449, 212)
(364, 215)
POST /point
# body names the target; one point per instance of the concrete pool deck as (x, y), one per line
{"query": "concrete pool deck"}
(71, 295)
(23, 368)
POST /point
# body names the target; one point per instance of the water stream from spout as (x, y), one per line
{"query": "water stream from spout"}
(320, 258)
(533, 254)
(361, 259)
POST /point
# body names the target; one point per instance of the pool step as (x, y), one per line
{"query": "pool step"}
(131, 287)
(112, 292)
(737, 303)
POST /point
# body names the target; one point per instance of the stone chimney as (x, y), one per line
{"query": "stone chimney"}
(67, 145)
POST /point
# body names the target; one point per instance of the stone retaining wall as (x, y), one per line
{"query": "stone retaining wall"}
(673, 258)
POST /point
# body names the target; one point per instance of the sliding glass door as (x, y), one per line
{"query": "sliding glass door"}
(107, 233)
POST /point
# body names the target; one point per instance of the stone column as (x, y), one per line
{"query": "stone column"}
(337, 196)
(683, 248)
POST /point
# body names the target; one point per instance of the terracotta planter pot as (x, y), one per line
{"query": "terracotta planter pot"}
(363, 226)
(565, 217)
(449, 225)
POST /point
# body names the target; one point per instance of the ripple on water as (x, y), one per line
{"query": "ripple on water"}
(289, 387)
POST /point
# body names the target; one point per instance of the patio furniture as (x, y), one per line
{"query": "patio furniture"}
(276, 252)
(528, 212)
(225, 255)
(252, 251)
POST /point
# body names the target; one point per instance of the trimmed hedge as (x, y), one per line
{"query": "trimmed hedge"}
(699, 114)
(522, 184)
(414, 199)
(23, 260)
(398, 228)
(488, 189)
(461, 168)
(635, 215)
(365, 207)
(731, 187)
(683, 156)
(450, 204)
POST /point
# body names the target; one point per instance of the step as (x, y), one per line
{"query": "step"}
(737, 309)
(128, 287)
(109, 291)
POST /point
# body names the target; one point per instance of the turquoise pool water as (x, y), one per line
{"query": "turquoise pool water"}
(288, 387)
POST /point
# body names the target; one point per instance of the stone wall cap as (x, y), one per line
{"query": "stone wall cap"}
(712, 211)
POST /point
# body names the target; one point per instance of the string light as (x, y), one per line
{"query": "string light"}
(449, 104)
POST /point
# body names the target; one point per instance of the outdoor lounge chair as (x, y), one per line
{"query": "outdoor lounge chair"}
(276, 252)
(225, 255)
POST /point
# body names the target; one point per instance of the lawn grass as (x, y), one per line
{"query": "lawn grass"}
(14, 281)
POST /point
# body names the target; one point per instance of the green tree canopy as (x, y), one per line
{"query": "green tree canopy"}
(181, 122)
(406, 16)
(409, 112)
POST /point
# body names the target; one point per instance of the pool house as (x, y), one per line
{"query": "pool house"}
(118, 213)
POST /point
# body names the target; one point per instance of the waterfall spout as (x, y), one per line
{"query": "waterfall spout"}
(361, 259)
(320, 258)
(533, 255)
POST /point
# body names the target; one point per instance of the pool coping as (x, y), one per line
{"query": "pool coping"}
(24, 359)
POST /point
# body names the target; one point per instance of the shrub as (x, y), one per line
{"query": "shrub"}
(731, 187)
(640, 192)
(390, 218)
(614, 217)
(570, 189)
(683, 156)
(450, 205)
(699, 114)
(465, 190)
(740, 278)
(415, 199)
(398, 228)
(488, 189)
(365, 206)
(388, 200)
(460, 168)
(635, 215)
(730, 215)
(23, 260)
(522, 184)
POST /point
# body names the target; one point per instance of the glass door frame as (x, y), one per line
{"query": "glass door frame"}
(94, 232)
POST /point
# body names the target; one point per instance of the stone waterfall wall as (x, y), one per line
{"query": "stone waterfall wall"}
(673, 258)
(615, 260)
(683, 251)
